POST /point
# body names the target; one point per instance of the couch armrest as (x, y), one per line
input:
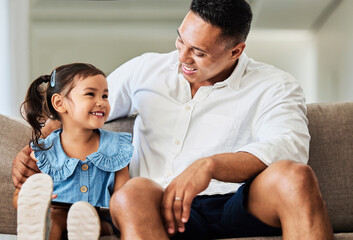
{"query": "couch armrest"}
(14, 135)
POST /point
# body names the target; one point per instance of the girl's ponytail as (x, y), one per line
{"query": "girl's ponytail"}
(34, 106)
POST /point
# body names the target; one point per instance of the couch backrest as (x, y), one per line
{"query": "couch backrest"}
(331, 157)
(121, 125)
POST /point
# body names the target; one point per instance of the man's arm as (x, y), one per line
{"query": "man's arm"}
(236, 167)
(23, 166)
(120, 85)
(227, 167)
(49, 127)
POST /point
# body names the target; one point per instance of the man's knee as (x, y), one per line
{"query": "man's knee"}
(139, 196)
(134, 192)
(293, 181)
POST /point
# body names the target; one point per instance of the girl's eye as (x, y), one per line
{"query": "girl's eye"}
(105, 96)
(90, 94)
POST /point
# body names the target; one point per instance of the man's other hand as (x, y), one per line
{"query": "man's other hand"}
(178, 196)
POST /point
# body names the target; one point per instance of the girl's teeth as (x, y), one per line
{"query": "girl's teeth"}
(98, 114)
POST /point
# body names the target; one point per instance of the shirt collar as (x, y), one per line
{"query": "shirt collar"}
(233, 81)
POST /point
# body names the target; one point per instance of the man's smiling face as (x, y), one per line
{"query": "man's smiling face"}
(203, 55)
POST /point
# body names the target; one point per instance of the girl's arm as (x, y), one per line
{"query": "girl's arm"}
(121, 177)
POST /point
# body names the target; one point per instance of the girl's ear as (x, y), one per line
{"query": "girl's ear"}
(58, 103)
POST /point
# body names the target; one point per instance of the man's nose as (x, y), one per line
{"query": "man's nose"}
(184, 55)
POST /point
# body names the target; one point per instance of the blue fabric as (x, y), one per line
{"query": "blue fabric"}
(224, 216)
(114, 153)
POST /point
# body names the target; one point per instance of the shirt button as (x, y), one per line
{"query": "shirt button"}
(84, 167)
(177, 142)
(169, 174)
(187, 108)
(83, 189)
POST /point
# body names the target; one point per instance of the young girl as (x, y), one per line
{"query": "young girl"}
(87, 164)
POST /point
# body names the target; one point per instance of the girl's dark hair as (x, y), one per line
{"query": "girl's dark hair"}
(233, 17)
(37, 106)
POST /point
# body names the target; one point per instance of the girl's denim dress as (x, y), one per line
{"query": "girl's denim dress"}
(91, 180)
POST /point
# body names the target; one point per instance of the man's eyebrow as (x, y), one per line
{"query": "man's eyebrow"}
(197, 48)
(179, 34)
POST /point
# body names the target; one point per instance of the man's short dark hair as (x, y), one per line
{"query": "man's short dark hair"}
(233, 17)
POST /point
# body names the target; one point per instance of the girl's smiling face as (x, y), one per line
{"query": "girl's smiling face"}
(87, 103)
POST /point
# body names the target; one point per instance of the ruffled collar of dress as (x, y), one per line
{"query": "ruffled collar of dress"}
(114, 153)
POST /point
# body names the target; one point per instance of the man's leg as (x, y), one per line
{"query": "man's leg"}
(287, 194)
(135, 208)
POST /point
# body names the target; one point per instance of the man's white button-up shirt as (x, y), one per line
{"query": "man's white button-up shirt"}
(259, 109)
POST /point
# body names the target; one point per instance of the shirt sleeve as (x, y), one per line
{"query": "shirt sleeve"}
(281, 129)
(120, 85)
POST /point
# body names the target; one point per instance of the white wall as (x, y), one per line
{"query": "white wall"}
(5, 83)
(106, 33)
(107, 39)
(44, 34)
(290, 50)
(106, 46)
(19, 52)
(335, 55)
(14, 57)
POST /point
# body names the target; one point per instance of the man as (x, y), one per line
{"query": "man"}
(209, 119)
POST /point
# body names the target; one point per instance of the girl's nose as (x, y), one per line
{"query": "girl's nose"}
(99, 104)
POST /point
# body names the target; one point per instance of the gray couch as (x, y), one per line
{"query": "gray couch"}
(331, 157)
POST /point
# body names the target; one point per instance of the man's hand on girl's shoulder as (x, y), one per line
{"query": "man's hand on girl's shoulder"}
(23, 166)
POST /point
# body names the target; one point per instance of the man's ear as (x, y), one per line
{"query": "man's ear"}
(58, 103)
(238, 50)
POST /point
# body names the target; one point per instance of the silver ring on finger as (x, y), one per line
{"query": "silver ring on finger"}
(178, 199)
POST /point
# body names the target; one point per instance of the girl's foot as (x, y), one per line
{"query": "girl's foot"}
(33, 205)
(83, 222)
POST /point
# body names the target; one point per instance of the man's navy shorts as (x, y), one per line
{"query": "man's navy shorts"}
(224, 216)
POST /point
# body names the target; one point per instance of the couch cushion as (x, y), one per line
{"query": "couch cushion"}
(331, 157)
(14, 135)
